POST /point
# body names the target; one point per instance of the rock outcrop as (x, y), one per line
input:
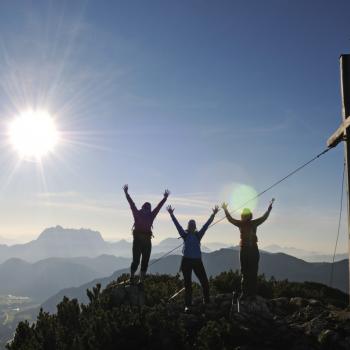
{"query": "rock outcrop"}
(290, 316)
(282, 323)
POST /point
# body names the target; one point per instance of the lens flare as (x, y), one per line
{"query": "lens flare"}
(239, 196)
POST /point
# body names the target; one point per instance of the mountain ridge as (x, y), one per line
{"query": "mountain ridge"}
(69, 243)
(280, 266)
(40, 279)
(57, 241)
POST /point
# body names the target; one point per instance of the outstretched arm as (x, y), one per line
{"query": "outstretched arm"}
(263, 218)
(208, 223)
(179, 228)
(156, 210)
(229, 217)
(131, 202)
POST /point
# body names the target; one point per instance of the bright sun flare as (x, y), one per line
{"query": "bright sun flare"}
(33, 134)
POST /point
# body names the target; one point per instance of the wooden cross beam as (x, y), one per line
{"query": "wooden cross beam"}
(343, 132)
(339, 135)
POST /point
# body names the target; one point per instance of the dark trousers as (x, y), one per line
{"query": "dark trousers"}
(141, 247)
(249, 258)
(187, 265)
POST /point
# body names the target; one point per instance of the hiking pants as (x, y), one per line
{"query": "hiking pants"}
(187, 265)
(249, 258)
(141, 247)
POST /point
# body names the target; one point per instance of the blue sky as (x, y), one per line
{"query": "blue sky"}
(195, 96)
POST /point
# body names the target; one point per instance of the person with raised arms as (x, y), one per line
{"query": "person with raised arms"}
(142, 232)
(192, 256)
(249, 253)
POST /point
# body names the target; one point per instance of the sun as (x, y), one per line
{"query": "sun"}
(33, 134)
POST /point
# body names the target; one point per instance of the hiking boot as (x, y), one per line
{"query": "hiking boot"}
(140, 285)
(187, 310)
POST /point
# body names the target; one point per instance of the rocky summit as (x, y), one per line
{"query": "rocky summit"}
(147, 317)
(291, 323)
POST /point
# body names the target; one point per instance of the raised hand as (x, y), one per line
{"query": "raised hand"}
(216, 209)
(170, 209)
(224, 206)
(166, 193)
(126, 188)
(271, 203)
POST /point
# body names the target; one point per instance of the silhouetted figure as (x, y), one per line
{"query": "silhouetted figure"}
(142, 232)
(192, 256)
(249, 252)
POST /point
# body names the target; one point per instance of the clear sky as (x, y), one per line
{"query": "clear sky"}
(196, 96)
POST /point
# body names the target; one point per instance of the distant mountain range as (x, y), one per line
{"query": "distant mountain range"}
(42, 279)
(306, 255)
(279, 265)
(65, 243)
(68, 243)
(60, 258)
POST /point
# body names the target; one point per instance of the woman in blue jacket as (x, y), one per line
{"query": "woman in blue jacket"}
(192, 256)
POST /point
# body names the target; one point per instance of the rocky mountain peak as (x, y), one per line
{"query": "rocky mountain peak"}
(60, 233)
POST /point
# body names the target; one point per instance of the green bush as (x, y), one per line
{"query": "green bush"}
(100, 325)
